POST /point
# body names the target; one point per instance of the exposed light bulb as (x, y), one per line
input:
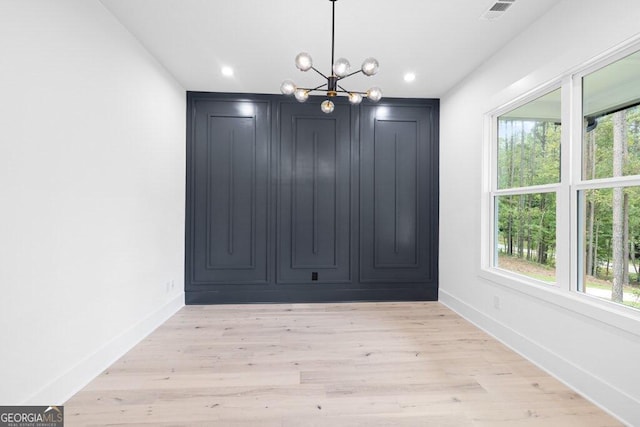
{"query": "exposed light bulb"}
(301, 95)
(288, 87)
(355, 98)
(370, 66)
(341, 67)
(327, 107)
(304, 61)
(374, 94)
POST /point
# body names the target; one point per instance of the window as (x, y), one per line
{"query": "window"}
(610, 208)
(563, 201)
(528, 171)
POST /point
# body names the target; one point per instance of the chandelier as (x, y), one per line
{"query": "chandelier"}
(340, 71)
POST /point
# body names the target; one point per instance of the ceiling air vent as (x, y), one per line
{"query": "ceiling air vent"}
(497, 10)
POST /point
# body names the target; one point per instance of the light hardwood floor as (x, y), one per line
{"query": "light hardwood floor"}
(363, 364)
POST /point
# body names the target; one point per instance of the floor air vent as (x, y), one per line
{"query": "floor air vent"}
(497, 10)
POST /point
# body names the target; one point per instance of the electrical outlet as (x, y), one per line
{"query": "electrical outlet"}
(496, 302)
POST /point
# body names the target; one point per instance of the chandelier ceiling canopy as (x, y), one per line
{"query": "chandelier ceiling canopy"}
(340, 70)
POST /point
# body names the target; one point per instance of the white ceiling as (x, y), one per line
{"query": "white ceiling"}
(441, 41)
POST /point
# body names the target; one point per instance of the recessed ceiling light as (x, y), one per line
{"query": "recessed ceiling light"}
(409, 77)
(227, 71)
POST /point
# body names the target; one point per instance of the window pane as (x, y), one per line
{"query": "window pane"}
(611, 137)
(529, 143)
(610, 242)
(526, 235)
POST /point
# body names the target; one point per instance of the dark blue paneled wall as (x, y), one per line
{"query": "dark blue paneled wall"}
(288, 204)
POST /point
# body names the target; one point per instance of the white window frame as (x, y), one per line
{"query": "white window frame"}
(565, 291)
(488, 257)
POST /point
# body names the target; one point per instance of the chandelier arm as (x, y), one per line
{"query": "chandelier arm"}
(351, 74)
(312, 89)
(343, 90)
(316, 88)
(317, 71)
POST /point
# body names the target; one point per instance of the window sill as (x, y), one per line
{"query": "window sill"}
(623, 318)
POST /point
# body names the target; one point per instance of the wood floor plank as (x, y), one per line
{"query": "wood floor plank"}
(363, 364)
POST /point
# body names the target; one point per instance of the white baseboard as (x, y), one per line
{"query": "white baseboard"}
(612, 400)
(64, 387)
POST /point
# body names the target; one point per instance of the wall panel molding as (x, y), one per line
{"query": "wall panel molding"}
(227, 204)
(288, 204)
(226, 229)
(398, 185)
(314, 203)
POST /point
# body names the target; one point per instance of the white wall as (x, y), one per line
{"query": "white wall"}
(92, 170)
(560, 334)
